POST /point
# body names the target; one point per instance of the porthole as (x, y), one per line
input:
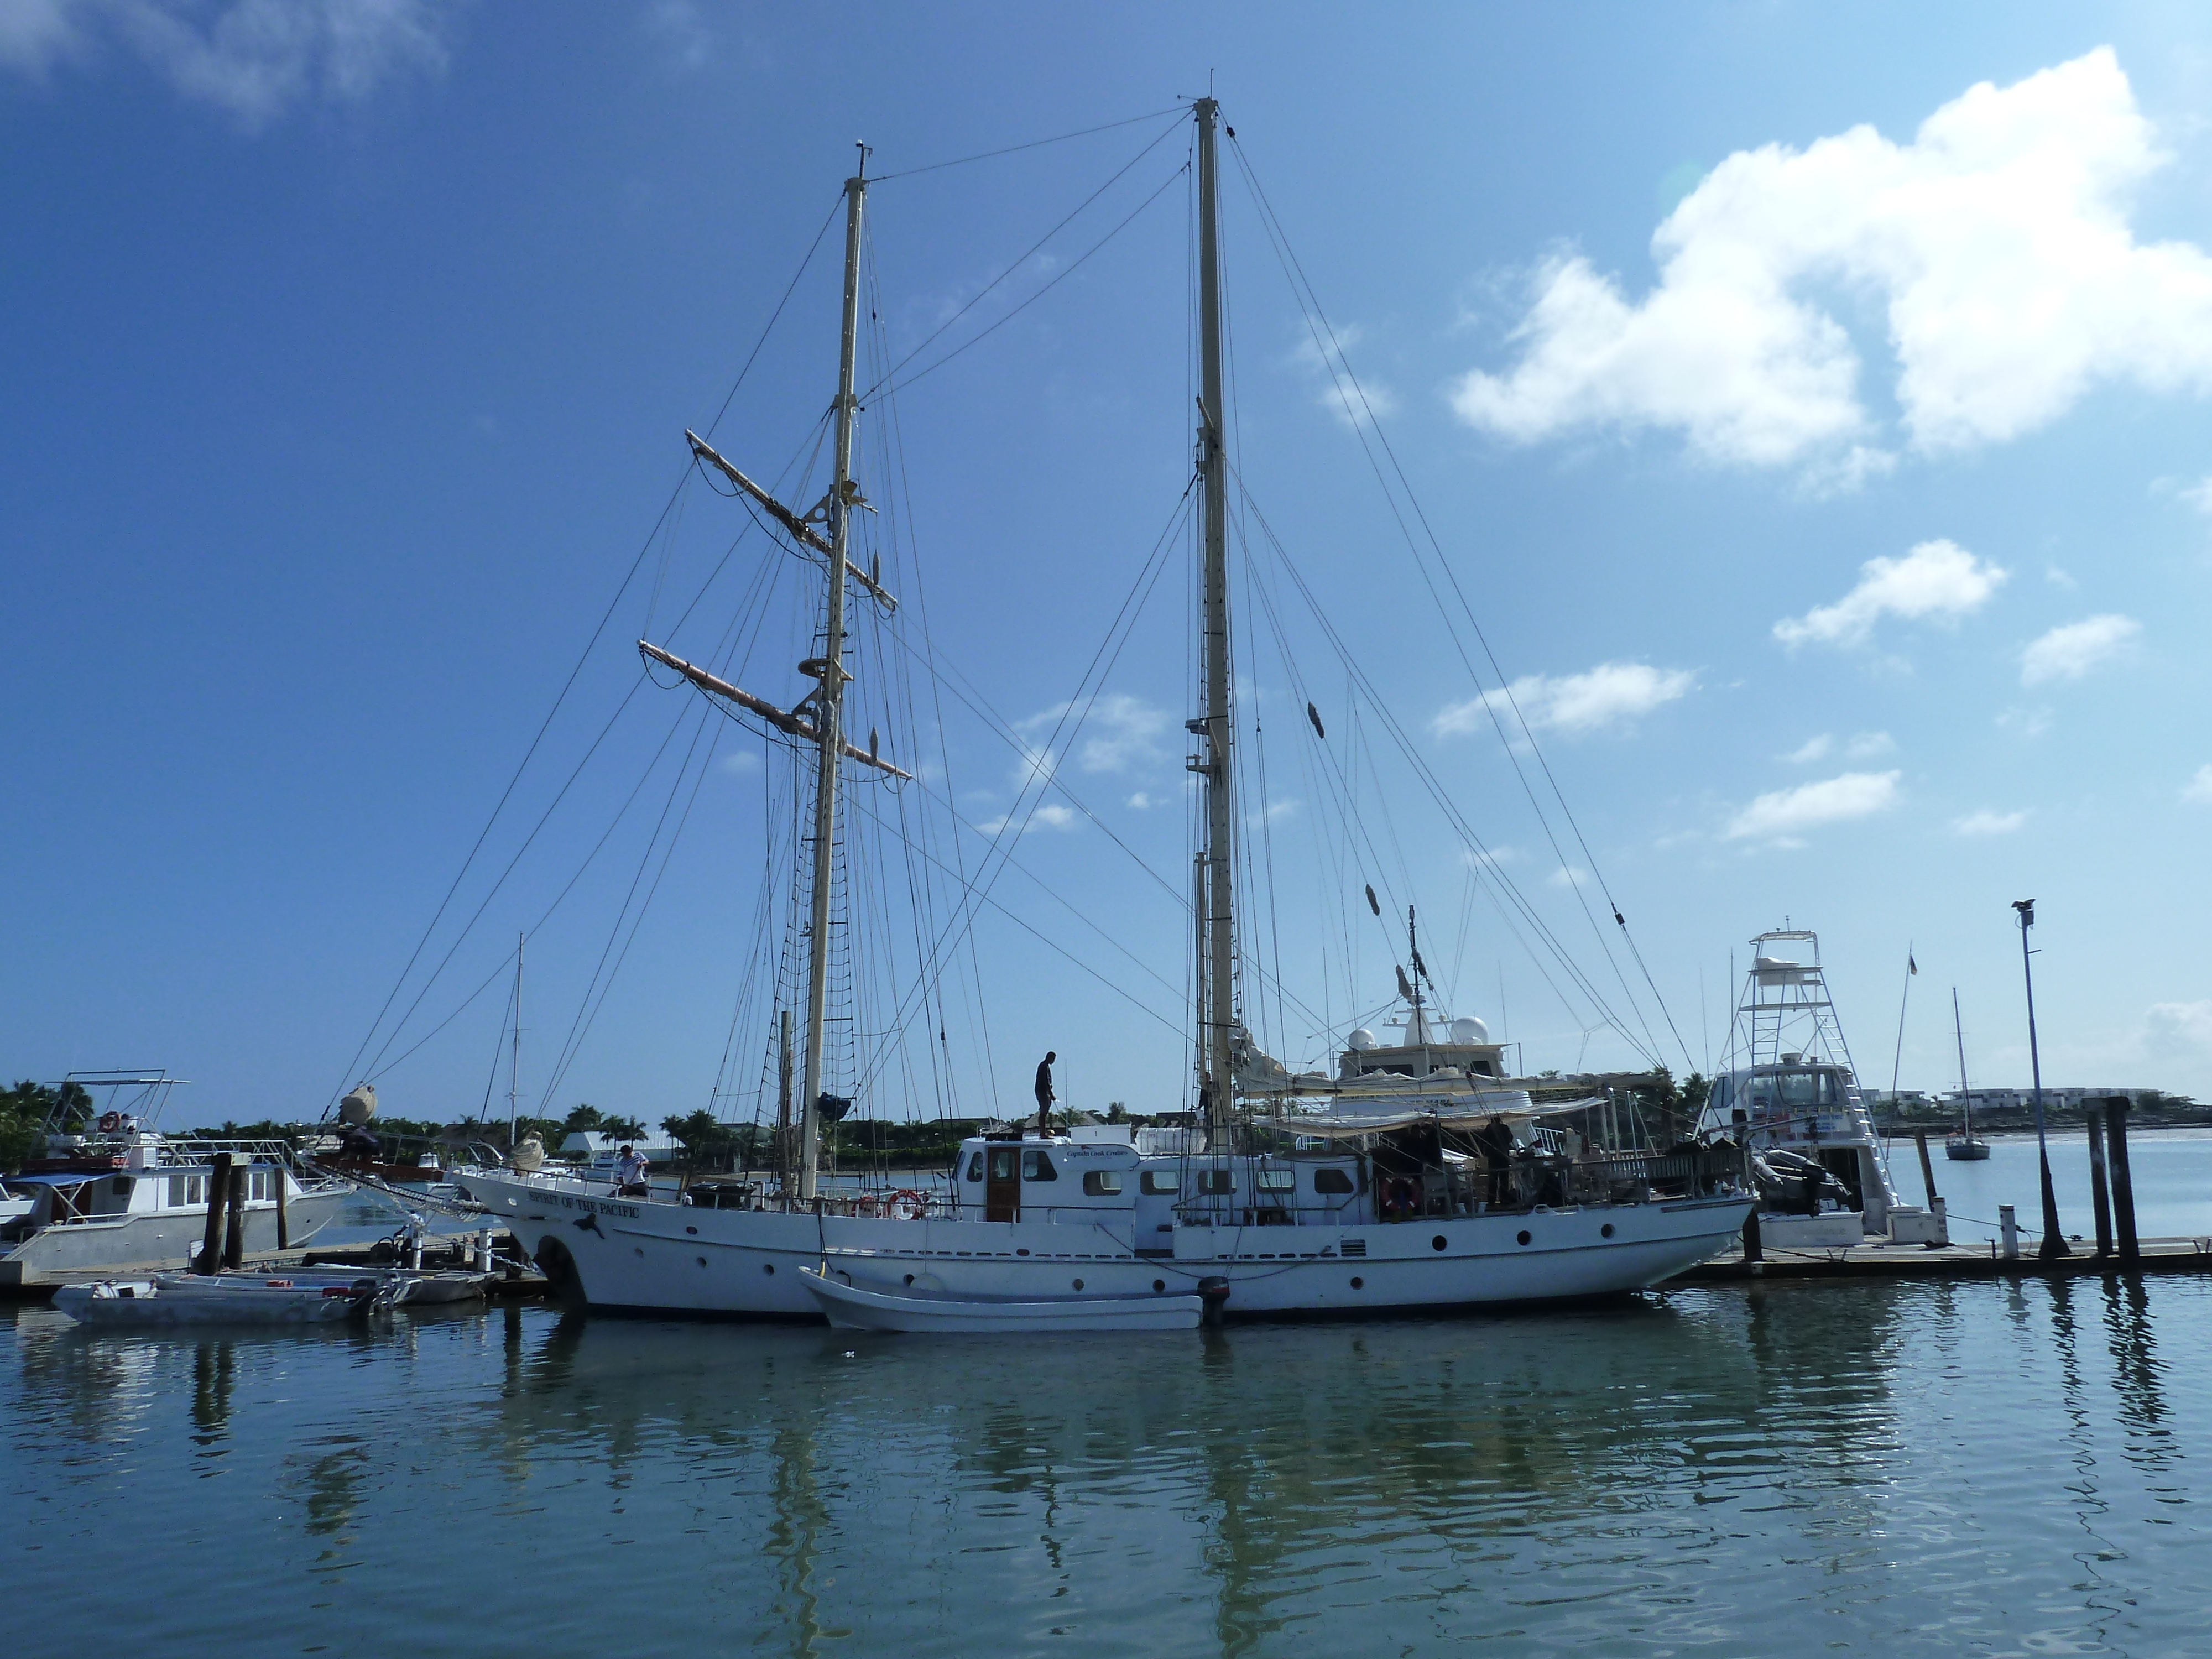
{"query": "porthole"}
(694, 1232)
(1079, 1284)
(1358, 1283)
(1159, 1284)
(1021, 1251)
(1606, 1231)
(639, 1250)
(909, 1278)
(1523, 1237)
(701, 1260)
(767, 1267)
(1438, 1242)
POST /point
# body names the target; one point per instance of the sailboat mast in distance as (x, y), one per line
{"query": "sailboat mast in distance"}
(830, 697)
(1217, 976)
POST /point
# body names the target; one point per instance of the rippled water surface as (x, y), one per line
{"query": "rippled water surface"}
(1980, 1468)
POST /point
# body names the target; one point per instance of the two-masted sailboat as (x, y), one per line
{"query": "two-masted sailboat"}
(1410, 1179)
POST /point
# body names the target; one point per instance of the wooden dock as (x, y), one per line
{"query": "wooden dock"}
(1983, 1260)
(523, 1286)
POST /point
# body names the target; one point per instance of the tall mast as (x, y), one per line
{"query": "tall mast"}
(830, 698)
(1217, 1005)
(514, 1069)
(1958, 1030)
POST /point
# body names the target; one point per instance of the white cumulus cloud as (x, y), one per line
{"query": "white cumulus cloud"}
(1812, 749)
(1783, 813)
(1871, 745)
(2199, 789)
(1352, 401)
(1987, 822)
(2068, 653)
(1998, 241)
(255, 58)
(1608, 695)
(1938, 578)
(1119, 732)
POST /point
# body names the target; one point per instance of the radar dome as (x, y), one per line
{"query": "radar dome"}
(358, 1107)
(1362, 1038)
(1468, 1029)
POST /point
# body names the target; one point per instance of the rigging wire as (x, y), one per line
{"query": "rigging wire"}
(1334, 359)
(1067, 271)
(1034, 143)
(891, 373)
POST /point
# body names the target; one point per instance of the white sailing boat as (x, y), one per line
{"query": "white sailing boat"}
(1385, 1188)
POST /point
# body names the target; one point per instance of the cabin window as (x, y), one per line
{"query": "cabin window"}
(1037, 1166)
(1002, 1163)
(186, 1189)
(122, 1187)
(257, 1186)
(975, 1166)
(1333, 1181)
(1278, 1181)
(1101, 1183)
(1217, 1180)
(1158, 1183)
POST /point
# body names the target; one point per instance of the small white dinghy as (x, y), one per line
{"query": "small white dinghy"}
(853, 1307)
(216, 1299)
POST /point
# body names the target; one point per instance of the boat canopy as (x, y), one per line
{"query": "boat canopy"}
(1370, 1116)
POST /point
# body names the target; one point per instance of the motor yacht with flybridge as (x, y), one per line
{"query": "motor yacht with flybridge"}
(106, 1190)
(1409, 1177)
(1789, 1095)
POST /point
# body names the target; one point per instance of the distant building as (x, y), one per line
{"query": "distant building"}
(1903, 1100)
(2018, 1100)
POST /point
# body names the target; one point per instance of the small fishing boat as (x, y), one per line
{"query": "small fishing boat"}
(1962, 1145)
(855, 1307)
(215, 1299)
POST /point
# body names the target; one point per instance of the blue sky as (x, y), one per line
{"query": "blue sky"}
(1815, 410)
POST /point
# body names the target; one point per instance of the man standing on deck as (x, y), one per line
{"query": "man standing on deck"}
(1044, 1094)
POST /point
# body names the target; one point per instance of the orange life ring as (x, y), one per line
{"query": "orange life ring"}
(1401, 1198)
(907, 1204)
(110, 1122)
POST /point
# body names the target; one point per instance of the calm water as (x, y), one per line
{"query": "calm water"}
(2172, 1170)
(1894, 1470)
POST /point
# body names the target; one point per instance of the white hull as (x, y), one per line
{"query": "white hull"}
(629, 1255)
(852, 1307)
(180, 1301)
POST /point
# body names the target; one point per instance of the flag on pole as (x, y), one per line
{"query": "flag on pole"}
(1910, 966)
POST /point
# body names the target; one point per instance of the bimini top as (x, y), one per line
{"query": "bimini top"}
(1377, 1114)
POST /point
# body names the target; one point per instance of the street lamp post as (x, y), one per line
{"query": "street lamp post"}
(2054, 1241)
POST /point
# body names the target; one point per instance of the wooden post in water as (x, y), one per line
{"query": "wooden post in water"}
(2093, 1114)
(1927, 1169)
(2123, 1186)
(234, 1242)
(283, 1221)
(218, 1195)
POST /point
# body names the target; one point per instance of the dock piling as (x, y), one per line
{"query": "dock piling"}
(283, 1221)
(2123, 1186)
(2093, 1114)
(218, 1197)
(234, 1242)
(1927, 1167)
(2008, 1224)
